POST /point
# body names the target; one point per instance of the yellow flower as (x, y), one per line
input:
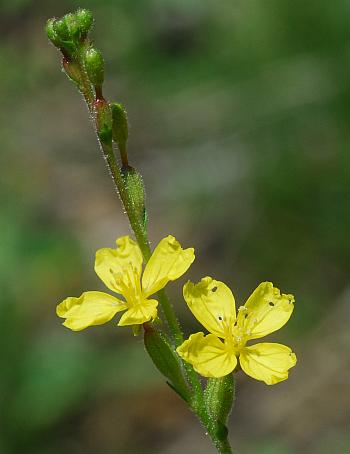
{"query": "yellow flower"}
(121, 271)
(266, 311)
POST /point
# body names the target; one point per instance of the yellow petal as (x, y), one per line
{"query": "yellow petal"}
(267, 362)
(212, 303)
(110, 263)
(265, 311)
(167, 263)
(91, 308)
(139, 313)
(208, 355)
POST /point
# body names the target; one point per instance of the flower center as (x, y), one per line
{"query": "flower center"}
(237, 331)
(129, 284)
(235, 337)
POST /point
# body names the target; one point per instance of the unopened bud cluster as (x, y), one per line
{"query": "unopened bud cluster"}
(69, 31)
(84, 65)
(70, 35)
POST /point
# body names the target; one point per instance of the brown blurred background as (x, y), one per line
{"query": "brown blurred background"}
(239, 114)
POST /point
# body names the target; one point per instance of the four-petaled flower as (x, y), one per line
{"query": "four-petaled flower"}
(121, 270)
(265, 311)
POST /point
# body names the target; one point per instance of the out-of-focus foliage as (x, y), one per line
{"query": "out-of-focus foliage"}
(239, 114)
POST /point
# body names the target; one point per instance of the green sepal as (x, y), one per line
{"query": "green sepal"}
(136, 189)
(120, 126)
(95, 67)
(219, 397)
(166, 360)
(103, 121)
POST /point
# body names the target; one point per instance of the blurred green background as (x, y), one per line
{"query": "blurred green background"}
(239, 114)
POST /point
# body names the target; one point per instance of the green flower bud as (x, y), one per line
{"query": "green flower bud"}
(61, 29)
(120, 126)
(51, 32)
(103, 120)
(94, 65)
(72, 25)
(59, 34)
(63, 33)
(136, 189)
(166, 360)
(85, 20)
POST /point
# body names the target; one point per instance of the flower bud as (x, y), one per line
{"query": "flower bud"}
(94, 65)
(61, 29)
(65, 33)
(103, 121)
(71, 68)
(120, 126)
(72, 25)
(51, 32)
(166, 360)
(64, 39)
(85, 20)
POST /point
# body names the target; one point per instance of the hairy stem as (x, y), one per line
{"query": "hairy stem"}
(84, 65)
(142, 240)
(221, 442)
(197, 402)
(223, 446)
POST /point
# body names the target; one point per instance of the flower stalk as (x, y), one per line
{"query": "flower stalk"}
(84, 65)
(217, 355)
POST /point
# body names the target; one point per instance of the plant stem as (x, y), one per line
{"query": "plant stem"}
(142, 240)
(85, 67)
(170, 315)
(137, 226)
(223, 446)
(197, 404)
(221, 443)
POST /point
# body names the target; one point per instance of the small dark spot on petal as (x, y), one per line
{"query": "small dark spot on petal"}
(245, 315)
(214, 289)
(220, 318)
(271, 303)
(235, 323)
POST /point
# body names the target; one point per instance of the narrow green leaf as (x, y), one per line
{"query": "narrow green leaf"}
(166, 361)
